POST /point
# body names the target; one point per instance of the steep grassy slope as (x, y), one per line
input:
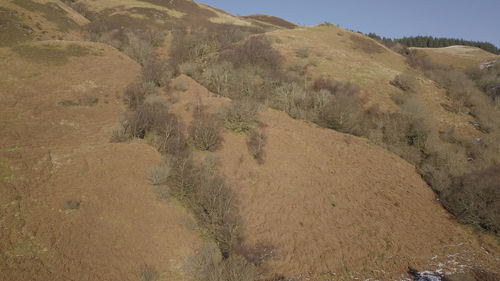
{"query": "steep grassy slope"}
(327, 205)
(331, 204)
(164, 14)
(337, 53)
(73, 206)
(39, 20)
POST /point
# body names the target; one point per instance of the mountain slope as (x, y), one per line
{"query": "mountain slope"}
(343, 55)
(330, 202)
(73, 205)
(323, 205)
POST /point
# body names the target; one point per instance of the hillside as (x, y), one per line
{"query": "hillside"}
(74, 205)
(460, 57)
(165, 140)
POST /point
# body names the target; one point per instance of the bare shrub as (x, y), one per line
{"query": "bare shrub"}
(473, 198)
(257, 50)
(89, 100)
(138, 49)
(169, 136)
(255, 142)
(289, 97)
(216, 77)
(154, 37)
(256, 254)
(119, 135)
(342, 113)
(208, 265)
(72, 205)
(147, 117)
(210, 199)
(240, 116)
(406, 81)
(204, 132)
(136, 93)
(181, 85)
(198, 48)
(215, 210)
(148, 273)
(159, 174)
(156, 71)
(189, 68)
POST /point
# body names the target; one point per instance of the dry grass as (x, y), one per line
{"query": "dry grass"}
(51, 11)
(51, 53)
(12, 31)
(98, 6)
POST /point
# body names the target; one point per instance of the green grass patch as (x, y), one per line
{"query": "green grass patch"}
(51, 53)
(51, 11)
(12, 31)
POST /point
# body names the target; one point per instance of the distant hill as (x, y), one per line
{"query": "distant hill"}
(437, 42)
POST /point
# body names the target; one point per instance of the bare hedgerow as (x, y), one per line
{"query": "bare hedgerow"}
(240, 116)
(255, 142)
(216, 210)
(204, 132)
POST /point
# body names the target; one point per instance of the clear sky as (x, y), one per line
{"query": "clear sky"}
(477, 20)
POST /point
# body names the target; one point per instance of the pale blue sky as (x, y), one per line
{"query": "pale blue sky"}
(477, 20)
